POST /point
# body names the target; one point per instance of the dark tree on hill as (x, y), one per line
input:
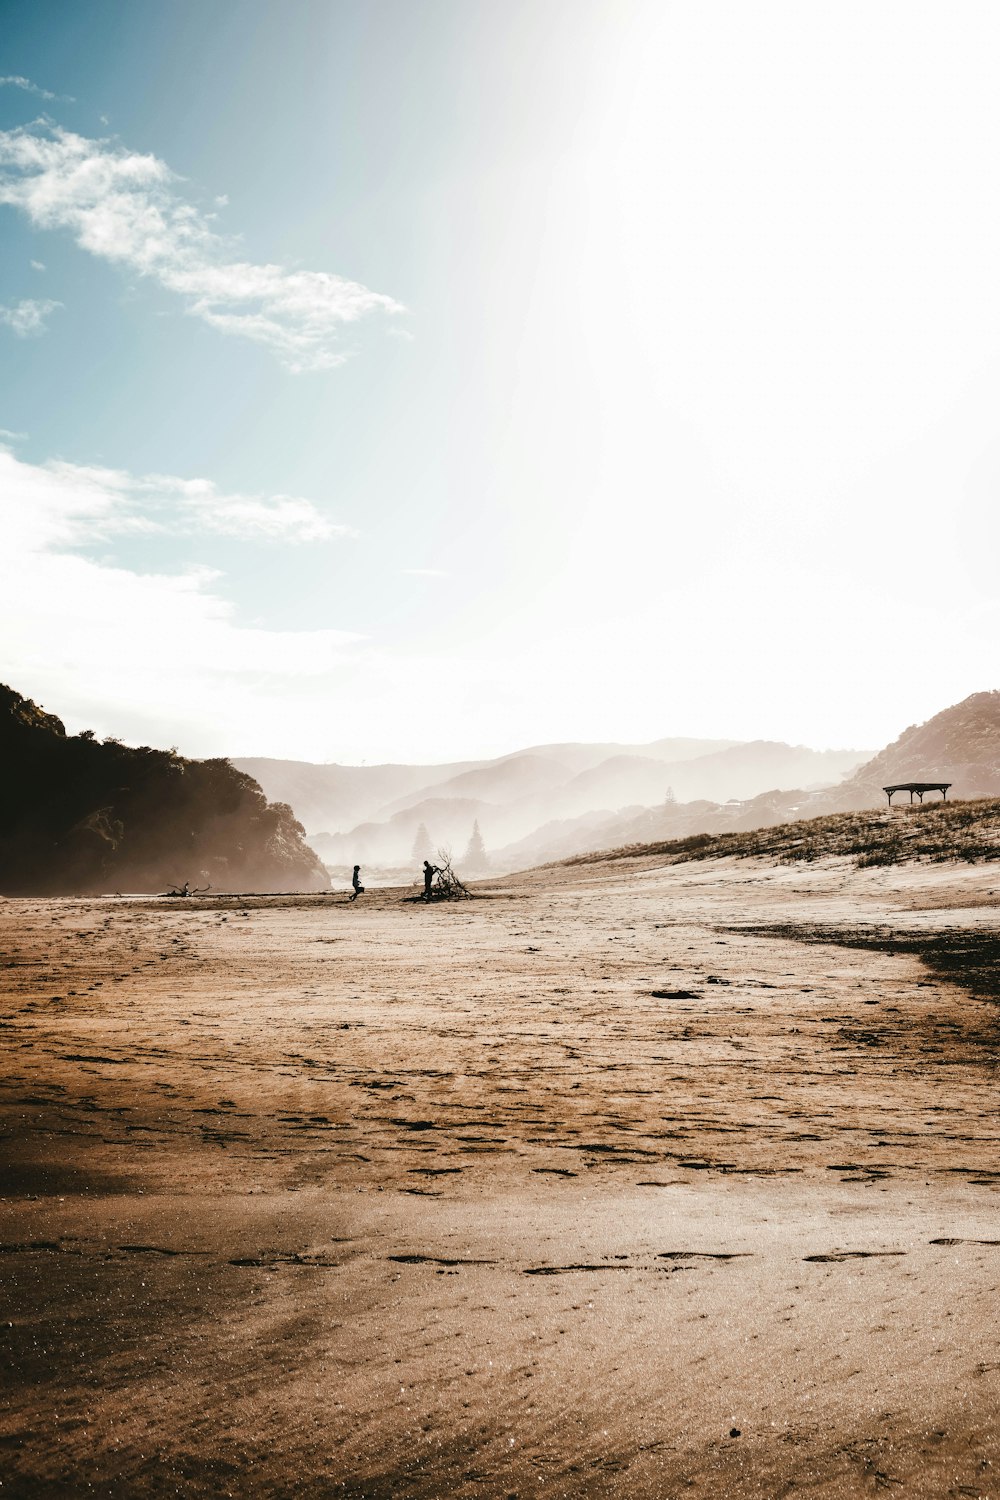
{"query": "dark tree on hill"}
(475, 855)
(422, 846)
(78, 816)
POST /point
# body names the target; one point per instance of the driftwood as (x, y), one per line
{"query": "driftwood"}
(446, 886)
(177, 889)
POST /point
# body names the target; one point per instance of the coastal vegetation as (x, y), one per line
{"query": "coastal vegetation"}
(936, 831)
(80, 815)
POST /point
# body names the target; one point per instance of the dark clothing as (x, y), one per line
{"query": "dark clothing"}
(429, 872)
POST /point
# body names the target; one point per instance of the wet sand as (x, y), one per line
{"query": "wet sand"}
(618, 1180)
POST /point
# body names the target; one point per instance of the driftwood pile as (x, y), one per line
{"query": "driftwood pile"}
(186, 889)
(446, 886)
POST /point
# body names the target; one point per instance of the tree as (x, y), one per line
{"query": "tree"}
(80, 816)
(668, 797)
(475, 855)
(422, 846)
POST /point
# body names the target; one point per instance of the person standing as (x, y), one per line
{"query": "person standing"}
(359, 889)
(429, 872)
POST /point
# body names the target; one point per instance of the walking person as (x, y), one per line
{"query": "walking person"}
(359, 889)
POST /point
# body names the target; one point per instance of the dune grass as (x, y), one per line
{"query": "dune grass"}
(937, 831)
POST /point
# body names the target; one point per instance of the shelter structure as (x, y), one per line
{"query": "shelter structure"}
(918, 787)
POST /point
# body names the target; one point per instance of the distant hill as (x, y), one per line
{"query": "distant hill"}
(328, 798)
(391, 843)
(566, 838)
(961, 744)
(497, 782)
(335, 799)
(537, 803)
(78, 816)
(619, 781)
(937, 831)
(737, 771)
(748, 769)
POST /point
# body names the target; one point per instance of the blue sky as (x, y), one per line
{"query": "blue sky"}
(417, 380)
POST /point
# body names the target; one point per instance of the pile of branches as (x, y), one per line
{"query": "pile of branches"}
(446, 886)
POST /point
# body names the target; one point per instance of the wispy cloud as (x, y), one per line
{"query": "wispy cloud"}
(140, 650)
(284, 518)
(164, 658)
(423, 573)
(126, 208)
(17, 81)
(27, 318)
(76, 504)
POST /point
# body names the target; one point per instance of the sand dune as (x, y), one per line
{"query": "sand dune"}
(604, 1183)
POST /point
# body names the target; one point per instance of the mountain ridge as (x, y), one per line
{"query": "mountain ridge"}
(350, 819)
(960, 744)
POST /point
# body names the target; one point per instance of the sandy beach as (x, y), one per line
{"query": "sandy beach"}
(620, 1179)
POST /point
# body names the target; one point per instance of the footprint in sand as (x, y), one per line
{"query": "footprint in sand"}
(952, 1241)
(853, 1255)
(704, 1255)
(437, 1260)
(563, 1270)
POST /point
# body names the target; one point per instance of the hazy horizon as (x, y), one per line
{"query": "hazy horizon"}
(418, 383)
(528, 749)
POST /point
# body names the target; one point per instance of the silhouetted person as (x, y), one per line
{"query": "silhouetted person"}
(359, 889)
(429, 872)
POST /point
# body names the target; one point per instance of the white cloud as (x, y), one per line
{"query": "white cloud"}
(38, 265)
(134, 649)
(73, 504)
(252, 517)
(124, 207)
(17, 81)
(27, 317)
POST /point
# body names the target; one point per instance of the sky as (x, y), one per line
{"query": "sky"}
(424, 379)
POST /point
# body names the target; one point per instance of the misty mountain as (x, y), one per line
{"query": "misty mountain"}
(961, 745)
(564, 792)
(333, 798)
(561, 839)
(509, 780)
(391, 842)
(79, 816)
(578, 757)
(746, 770)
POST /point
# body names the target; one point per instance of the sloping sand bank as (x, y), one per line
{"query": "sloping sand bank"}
(621, 1180)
